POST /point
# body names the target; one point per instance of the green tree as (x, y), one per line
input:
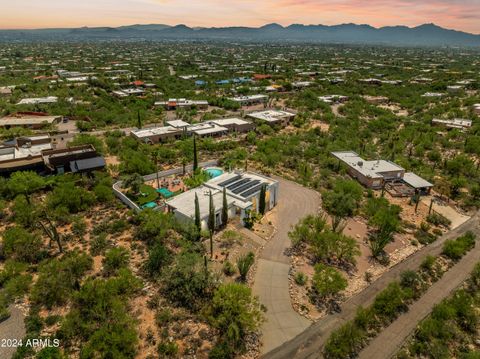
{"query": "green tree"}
(198, 220)
(262, 200)
(234, 312)
(25, 183)
(195, 155)
(342, 201)
(224, 207)
(211, 222)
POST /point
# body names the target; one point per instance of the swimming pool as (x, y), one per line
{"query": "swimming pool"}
(166, 193)
(149, 205)
(214, 172)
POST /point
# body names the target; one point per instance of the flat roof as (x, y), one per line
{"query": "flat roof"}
(26, 120)
(87, 164)
(206, 128)
(229, 121)
(178, 123)
(30, 101)
(271, 115)
(248, 98)
(415, 181)
(154, 131)
(372, 169)
(185, 202)
(455, 123)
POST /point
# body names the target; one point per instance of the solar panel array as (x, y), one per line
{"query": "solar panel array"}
(245, 187)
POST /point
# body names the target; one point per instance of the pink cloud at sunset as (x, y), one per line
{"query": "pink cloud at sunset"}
(456, 14)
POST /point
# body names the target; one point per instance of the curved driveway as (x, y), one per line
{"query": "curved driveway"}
(271, 282)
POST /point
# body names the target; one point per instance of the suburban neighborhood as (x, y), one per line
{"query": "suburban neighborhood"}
(215, 197)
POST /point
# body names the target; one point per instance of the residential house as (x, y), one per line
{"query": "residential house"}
(242, 192)
(272, 117)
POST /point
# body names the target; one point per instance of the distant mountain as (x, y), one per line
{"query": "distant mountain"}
(423, 35)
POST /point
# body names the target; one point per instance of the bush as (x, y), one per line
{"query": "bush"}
(115, 259)
(327, 281)
(59, 277)
(244, 263)
(438, 220)
(301, 278)
(167, 349)
(228, 268)
(21, 245)
(344, 342)
(158, 257)
(98, 244)
(456, 249)
(390, 302)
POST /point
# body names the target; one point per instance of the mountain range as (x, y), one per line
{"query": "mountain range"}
(423, 35)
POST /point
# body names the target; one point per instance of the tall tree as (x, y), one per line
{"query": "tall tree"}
(195, 156)
(262, 200)
(139, 121)
(224, 207)
(198, 223)
(211, 222)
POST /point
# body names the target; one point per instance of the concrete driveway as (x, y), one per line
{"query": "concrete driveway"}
(271, 278)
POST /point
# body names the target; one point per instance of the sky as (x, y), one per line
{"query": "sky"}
(26, 14)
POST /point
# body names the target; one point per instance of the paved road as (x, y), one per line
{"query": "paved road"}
(390, 340)
(309, 343)
(271, 278)
(12, 328)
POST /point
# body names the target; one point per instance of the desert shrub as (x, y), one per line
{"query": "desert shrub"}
(438, 220)
(98, 244)
(228, 268)
(244, 263)
(115, 259)
(456, 249)
(158, 257)
(59, 277)
(344, 342)
(301, 278)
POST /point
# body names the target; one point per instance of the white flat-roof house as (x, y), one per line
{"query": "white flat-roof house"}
(205, 129)
(242, 192)
(272, 117)
(38, 100)
(249, 100)
(333, 99)
(173, 103)
(374, 174)
(458, 123)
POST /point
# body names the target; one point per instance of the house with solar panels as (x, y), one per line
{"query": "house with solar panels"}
(243, 194)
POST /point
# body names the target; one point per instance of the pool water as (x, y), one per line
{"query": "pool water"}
(149, 205)
(166, 193)
(214, 172)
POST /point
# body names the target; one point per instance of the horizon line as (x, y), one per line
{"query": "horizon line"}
(229, 26)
